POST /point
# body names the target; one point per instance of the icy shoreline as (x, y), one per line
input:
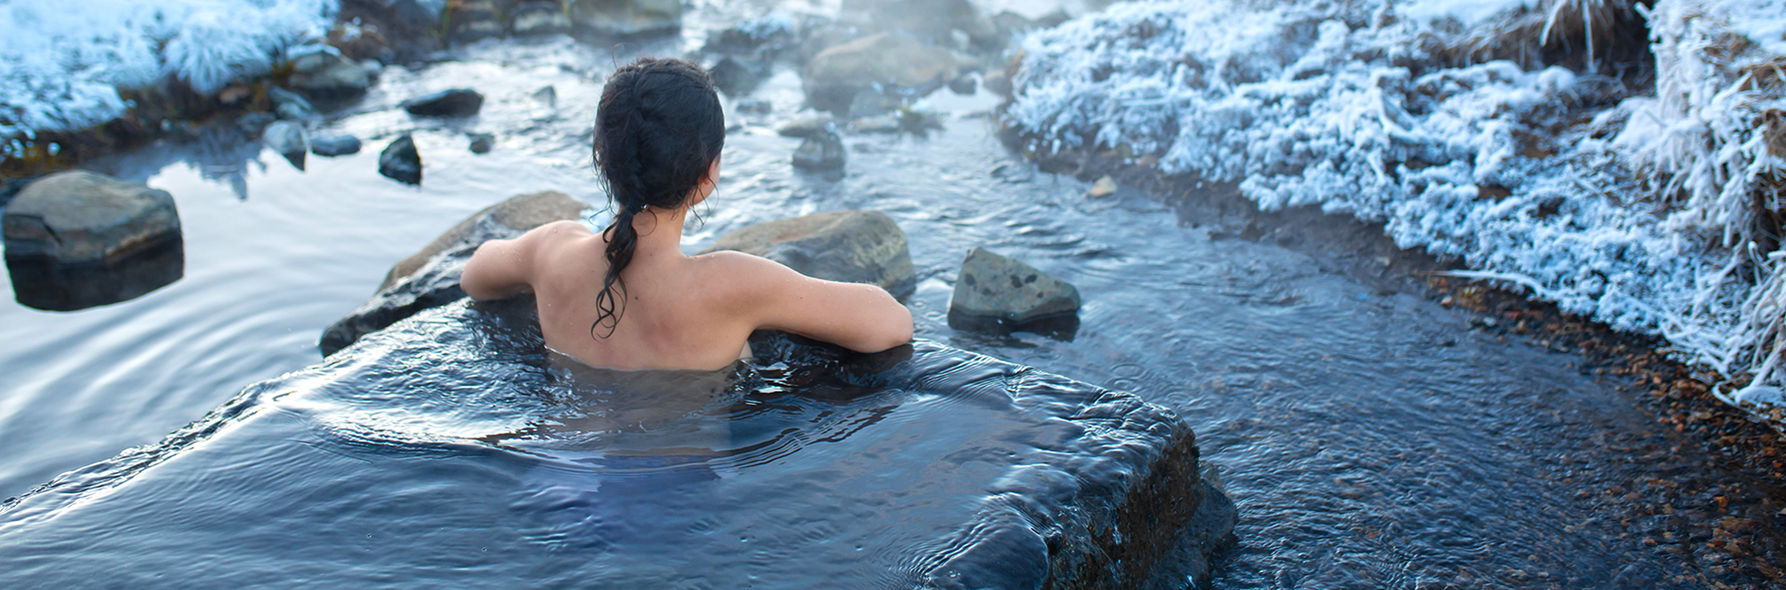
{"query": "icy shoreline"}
(1649, 208)
(63, 65)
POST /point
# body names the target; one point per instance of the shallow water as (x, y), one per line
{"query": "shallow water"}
(1369, 436)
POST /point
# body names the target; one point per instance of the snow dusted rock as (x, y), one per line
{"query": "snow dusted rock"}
(1008, 292)
(401, 162)
(850, 246)
(287, 139)
(335, 145)
(886, 61)
(430, 277)
(326, 75)
(454, 102)
(84, 218)
(820, 152)
(625, 18)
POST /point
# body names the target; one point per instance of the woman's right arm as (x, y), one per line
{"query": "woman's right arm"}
(860, 317)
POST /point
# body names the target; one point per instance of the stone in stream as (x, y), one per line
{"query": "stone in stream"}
(995, 292)
(734, 76)
(289, 105)
(880, 62)
(625, 18)
(453, 102)
(286, 138)
(539, 18)
(820, 152)
(430, 277)
(1104, 187)
(808, 125)
(327, 75)
(851, 246)
(78, 239)
(401, 162)
(471, 20)
(481, 143)
(334, 145)
(930, 19)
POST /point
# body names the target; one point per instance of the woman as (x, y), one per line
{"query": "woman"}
(628, 298)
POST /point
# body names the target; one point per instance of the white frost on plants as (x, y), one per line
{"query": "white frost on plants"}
(63, 63)
(1636, 212)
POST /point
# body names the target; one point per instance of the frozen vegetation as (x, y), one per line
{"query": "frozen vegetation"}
(1652, 202)
(62, 64)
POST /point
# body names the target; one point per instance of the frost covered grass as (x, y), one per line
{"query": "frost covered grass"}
(1649, 195)
(62, 64)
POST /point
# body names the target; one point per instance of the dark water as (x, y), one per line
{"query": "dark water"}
(1370, 437)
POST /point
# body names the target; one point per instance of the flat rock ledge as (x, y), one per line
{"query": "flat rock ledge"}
(430, 277)
(927, 466)
(853, 246)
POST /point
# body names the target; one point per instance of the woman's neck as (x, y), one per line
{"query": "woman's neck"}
(660, 233)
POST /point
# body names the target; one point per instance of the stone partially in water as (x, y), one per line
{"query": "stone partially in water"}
(286, 138)
(453, 102)
(1008, 293)
(850, 246)
(539, 18)
(329, 76)
(877, 62)
(335, 145)
(807, 126)
(481, 143)
(80, 217)
(430, 277)
(821, 152)
(50, 286)
(401, 162)
(625, 18)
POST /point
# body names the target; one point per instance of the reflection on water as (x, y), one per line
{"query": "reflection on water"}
(47, 285)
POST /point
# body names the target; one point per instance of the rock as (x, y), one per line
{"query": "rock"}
(735, 77)
(430, 277)
(1104, 187)
(876, 124)
(471, 20)
(755, 106)
(878, 62)
(820, 153)
(454, 102)
(625, 18)
(997, 81)
(481, 143)
(547, 96)
(286, 138)
(766, 33)
(538, 19)
(850, 246)
(335, 145)
(963, 85)
(289, 105)
(252, 124)
(83, 218)
(327, 75)
(1007, 292)
(807, 126)
(401, 162)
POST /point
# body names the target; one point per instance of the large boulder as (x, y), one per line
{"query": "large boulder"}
(883, 62)
(453, 449)
(851, 246)
(430, 277)
(625, 18)
(1006, 292)
(85, 218)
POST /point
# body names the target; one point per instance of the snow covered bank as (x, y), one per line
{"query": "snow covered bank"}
(1653, 206)
(62, 64)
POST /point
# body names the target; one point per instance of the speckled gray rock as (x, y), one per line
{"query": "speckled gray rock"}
(883, 61)
(852, 246)
(1004, 289)
(430, 277)
(626, 18)
(820, 152)
(84, 218)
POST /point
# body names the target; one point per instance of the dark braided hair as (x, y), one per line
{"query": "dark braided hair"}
(658, 129)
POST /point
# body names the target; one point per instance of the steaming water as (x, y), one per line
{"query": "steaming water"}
(1368, 435)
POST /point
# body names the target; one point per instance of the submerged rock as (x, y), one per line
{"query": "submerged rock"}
(453, 102)
(822, 151)
(401, 162)
(881, 62)
(85, 218)
(286, 138)
(850, 246)
(1007, 292)
(335, 145)
(430, 277)
(625, 18)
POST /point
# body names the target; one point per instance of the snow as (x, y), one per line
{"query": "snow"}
(62, 64)
(1634, 209)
